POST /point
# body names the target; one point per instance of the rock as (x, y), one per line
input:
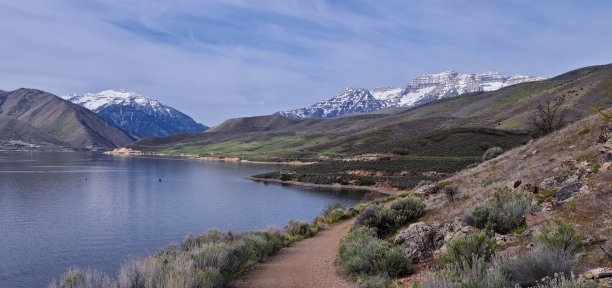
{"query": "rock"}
(604, 167)
(501, 240)
(534, 152)
(427, 189)
(566, 192)
(548, 206)
(552, 182)
(602, 275)
(517, 183)
(419, 240)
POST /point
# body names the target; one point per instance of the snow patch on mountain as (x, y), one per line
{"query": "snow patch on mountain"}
(424, 88)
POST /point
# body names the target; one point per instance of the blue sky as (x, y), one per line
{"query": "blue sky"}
(220, 59)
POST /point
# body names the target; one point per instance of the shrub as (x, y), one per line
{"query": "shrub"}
(451, 192)
(462, 250)
(76, 278)
(331, 207)
(287, 177)
(584, 130)
(492, 153)
(502, 213)
(407, 210)
(375, 217)
(476, 275)
(210, 236)
(529, 267)
(564, 237)
(259, 245)
(377, 281)
(362, 252)
(365, 182)
(140, 273)
(485, 145)
(208, 277)
(298, 228)
(548, 115)
(336, 215)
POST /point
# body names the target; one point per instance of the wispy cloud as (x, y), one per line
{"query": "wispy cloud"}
(221, 59)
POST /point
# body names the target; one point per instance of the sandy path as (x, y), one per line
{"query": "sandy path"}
(309, 263)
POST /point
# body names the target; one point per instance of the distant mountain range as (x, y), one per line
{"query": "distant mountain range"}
(423, 89)
(136, 114)
(451, 125)
(31, 118)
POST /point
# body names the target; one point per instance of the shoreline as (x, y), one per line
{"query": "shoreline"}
(228, 159)
(238, 160)
(381, 190)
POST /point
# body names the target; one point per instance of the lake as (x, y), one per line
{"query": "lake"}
(65, 209)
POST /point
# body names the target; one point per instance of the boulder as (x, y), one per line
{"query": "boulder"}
(566, 193)
(420, 240)
(426, 189)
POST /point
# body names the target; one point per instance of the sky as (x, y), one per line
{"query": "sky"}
(216, 60)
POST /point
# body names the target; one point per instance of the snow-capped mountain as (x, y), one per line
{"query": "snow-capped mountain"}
(350, 100)
(424, 88)
(136, 114)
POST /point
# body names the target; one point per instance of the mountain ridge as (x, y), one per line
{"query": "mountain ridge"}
(424, 88)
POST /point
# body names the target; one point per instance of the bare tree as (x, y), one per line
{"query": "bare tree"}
(547, 116)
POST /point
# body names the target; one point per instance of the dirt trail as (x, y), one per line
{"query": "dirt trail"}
(308, 263)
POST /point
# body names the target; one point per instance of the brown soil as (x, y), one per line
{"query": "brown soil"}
(308, 263)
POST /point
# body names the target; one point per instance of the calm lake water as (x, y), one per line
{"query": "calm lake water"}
(59, 210)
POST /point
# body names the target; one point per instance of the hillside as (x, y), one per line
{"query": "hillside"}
(16, 135)
(59, 119)
(566, 176)
(507, 109)
(136, 114)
